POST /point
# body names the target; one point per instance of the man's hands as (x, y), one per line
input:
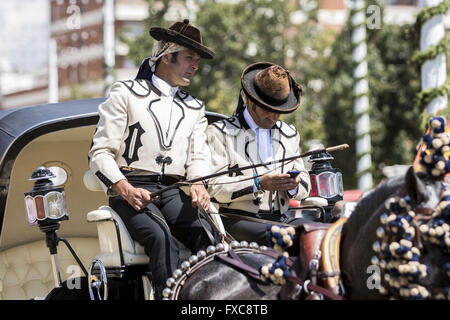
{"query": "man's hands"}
(279, 182)
(199, 195)
(138, 198)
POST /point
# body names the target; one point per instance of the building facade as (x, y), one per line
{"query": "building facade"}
(81, 32)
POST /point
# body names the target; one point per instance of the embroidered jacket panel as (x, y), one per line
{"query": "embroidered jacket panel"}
(233, 144)
(137, 130)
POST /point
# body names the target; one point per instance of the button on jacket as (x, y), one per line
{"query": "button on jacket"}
(140, 126)
(233, 144)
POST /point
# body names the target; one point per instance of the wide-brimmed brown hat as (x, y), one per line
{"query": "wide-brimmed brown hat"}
(183, 34)
(271, 87)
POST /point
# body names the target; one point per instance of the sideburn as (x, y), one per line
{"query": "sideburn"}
(174, 57)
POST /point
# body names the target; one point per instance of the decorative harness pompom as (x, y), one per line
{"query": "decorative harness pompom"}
(397, 251)
(397, 254)
(435, 158)
(437, 230)
(280, 239)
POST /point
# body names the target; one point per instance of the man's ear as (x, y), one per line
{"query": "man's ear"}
(165, 59)
(415, 187)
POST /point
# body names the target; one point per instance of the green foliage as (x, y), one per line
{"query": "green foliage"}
(393, 84)
(429, 12)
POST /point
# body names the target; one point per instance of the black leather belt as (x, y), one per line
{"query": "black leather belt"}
(154, 178)
(263, 214)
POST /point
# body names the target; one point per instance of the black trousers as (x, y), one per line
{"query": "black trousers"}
(256, 231)
(171, 217)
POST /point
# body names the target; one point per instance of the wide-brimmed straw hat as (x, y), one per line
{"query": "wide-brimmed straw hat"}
(183, 34)
(271, 87)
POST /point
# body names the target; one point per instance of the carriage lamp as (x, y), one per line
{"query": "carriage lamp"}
(326, 181)
(46, 203)
(46, 207)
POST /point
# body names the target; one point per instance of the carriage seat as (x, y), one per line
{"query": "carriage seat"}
(111, 228)
(117, 247)
(26, 270)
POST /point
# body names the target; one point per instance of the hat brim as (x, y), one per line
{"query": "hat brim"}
(248, 85)
(176, 37)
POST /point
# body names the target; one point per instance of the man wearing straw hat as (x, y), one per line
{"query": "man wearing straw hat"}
(255, 135)
(151, 134)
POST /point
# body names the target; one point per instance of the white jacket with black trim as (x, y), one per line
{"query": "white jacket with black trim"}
(130, 134)
(233, 144)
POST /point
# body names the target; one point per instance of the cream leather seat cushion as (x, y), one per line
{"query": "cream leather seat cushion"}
(26, 270)
(133, 252)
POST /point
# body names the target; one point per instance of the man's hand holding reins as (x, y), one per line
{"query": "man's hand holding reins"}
(278, 182)
(199, 195)
(138, 198)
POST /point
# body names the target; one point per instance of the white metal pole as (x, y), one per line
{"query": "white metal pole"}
(53, 86)
(361, 103)
(433, 72)
(109, 42)
(56, 270)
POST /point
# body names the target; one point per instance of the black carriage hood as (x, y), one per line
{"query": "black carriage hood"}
(19, 126)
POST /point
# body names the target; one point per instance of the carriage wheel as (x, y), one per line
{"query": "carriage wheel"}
(96, 284)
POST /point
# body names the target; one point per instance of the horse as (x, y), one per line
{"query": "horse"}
(235, 274)
(240, 270)
(362, 273)
(396, 243)
(225, 274)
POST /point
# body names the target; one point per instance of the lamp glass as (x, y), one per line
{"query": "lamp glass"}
(327, 184)
(31, 210)
(340, 183)
(40, 207)
(55, 207)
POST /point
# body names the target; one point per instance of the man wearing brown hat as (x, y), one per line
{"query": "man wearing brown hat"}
(255, 135)
(151, 134)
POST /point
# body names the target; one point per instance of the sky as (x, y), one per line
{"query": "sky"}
(24, 30)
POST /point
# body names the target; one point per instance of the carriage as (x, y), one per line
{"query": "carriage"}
(88, 240)
(85, 245)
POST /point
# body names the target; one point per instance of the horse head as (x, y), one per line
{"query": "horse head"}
(399, 234)
(412, 249)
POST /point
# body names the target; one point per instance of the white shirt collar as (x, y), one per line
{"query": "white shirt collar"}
(165, 88)
(248, 118)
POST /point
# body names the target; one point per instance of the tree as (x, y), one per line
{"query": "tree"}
(393, 84)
